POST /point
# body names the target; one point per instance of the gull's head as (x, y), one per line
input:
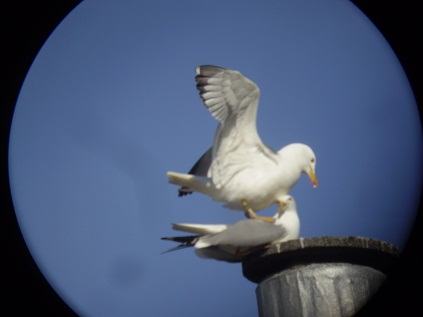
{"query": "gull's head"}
(287, 218)
(302, 156)
(286, 203)
(310, 170)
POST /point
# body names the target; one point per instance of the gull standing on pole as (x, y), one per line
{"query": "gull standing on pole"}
(232, 243)
(239, 169)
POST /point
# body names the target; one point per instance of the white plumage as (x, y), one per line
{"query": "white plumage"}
(233, 242)
(239, 169)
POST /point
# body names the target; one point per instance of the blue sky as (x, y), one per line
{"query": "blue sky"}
(110, 105)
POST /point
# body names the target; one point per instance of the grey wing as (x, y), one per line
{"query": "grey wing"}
(226, 92)
(200, 168)
(247, 233)
(217, 254)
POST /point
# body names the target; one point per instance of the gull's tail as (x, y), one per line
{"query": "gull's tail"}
(189, 183)
(199, 228)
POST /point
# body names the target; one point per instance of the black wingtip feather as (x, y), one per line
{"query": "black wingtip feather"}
(186, 242)
(184, 239)
(208, 70)
(182, 193)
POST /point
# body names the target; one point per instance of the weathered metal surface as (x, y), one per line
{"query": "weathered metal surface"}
(327, 290)
(377, 254)
(325, 276)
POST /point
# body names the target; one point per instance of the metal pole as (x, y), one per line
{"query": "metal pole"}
(325, 276)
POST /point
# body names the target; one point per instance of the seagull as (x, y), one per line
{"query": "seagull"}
(232, 243)
(239, 169)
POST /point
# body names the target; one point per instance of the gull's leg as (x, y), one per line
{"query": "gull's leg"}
(249, 213)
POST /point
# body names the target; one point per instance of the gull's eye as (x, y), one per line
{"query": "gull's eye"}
(312, 160)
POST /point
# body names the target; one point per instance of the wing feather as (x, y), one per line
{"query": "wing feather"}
(226, 91)
(244, 233)
(200, 168)
(232, 99)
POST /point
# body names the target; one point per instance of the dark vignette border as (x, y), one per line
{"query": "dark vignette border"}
(26, 25)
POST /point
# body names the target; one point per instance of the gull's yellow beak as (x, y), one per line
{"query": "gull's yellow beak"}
(312, 176)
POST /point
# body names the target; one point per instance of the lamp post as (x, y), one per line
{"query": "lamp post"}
(325, 276)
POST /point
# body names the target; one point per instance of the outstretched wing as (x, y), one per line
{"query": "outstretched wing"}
(227, 92)
(233, 100)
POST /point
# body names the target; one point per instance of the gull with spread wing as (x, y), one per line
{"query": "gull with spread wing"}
(239, 169)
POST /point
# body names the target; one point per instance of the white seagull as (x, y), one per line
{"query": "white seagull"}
(232, 243)
(239, 169)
